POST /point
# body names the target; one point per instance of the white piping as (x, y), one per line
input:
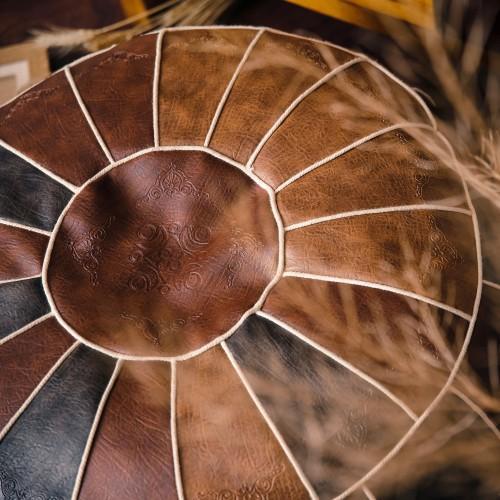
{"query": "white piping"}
(156, 89)
(6, 222)
(24, 278)
(173, 431)
(25, 328)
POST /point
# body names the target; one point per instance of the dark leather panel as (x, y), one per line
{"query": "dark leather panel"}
(160, 256)
(27, 195)
(351, 105)
(25, 360)
(226, 448)
(21, 253)
(204, 62)
(388, 171)
(47, 124)
(131, 457)
(279, 69)
(430, 253)
(336, 424)
(395, 340)
(41, 454)
(117, 89)
(20, 303)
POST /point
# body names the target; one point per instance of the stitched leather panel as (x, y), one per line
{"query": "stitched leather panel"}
(389, 171)
(336, 424)
(40, 455)
(381, 333)
(20, 303)
(163, 254)
(131, 456)
(226, 449)
(351, 105)
(47, 125)
(430, 253)
(25, 360)
(27, 195)
(117, 88)
(22, 252)
(279, 69)
(188, 97)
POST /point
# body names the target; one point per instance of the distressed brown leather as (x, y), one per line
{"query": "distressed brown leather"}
(134, 430)
(22, 252)
(25, 360)
(165, 254)
(118, 93)
(47, 125)
(226, 449)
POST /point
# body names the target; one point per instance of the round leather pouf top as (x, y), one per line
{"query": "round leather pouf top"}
(223, 254)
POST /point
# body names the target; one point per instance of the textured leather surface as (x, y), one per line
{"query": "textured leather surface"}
(189, 98)
(356, 322)
(118, 92)
(25, 360)
(20, 303)
(41, 453)
(47, 125)
(278, 70)
(165, 253)
(134, 429)
(226, 448)
(28, 196)
(326, 414)
(22, 252)
(174, 283)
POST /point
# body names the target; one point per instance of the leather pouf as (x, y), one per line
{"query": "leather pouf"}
(209, 238)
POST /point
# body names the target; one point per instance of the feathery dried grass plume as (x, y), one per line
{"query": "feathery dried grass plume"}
(170, 13)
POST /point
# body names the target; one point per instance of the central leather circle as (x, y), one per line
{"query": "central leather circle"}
(163, 254)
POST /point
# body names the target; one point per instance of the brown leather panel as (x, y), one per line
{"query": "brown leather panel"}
(47, 125)
(226, 449)
(391, 170)
(22, 252)
(25, 360)
(117, 88)
(430, 253)
(279, 69)
(163, 254)
(393, 339)
(352, 105)
(196, 68)
(131, 455)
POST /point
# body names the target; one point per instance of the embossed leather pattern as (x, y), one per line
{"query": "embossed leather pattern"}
(205, 236)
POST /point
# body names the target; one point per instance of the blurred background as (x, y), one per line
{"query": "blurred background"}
(449, 51)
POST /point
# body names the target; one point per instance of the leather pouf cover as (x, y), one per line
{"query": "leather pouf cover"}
(206, 237)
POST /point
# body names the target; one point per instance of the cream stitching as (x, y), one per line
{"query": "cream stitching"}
(44, 170)
(270, 423)
(86, 113)
(379, 286)
(368, 493)
(13, 280)
(230, 86)
(341, 361)
(173, 431)
(492, 284)
(6, 222)
(294, 105)
(371, 211)
(156, 88)
(25, 328)
(93, 430)
(478, 410)
(37, 389)
(257, 305)
(350, 147)
(460, 357)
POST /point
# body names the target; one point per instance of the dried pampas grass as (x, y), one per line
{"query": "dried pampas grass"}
(170, 13)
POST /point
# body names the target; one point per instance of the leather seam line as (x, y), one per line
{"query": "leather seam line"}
(24, 278)
(272, 426)
(341, 361)
(156, 89)
(25, 328)
(173, 431)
